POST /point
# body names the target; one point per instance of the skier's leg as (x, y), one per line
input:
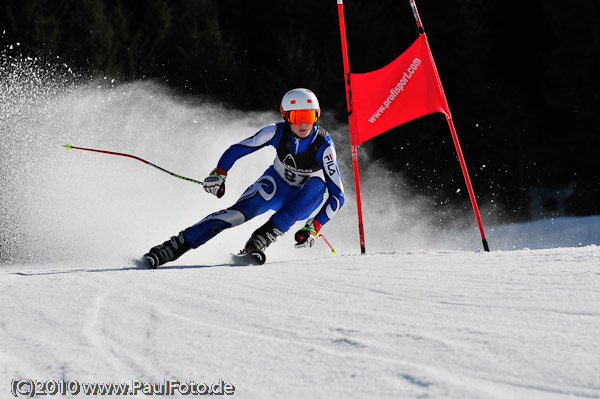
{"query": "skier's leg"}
(300, 204)
(258, 198)
(212, 225)
(274, 193)
(263, 195)
(194, 236)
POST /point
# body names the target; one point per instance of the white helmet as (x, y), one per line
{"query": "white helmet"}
(300, 99)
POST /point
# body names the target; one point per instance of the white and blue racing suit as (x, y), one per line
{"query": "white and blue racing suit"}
(294, 186)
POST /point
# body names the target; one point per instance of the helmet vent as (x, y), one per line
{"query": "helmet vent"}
(298, 99)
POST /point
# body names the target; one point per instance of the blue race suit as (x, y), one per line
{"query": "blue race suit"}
(293, 186)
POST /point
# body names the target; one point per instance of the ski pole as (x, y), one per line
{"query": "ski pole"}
(333, 250)
(69, 146)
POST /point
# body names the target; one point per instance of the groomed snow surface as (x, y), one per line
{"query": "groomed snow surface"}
(424, 314)
(428, 324)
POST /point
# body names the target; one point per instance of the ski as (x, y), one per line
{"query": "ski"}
(256, 258)
(249, 258)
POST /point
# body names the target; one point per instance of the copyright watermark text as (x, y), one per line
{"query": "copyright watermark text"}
(31, 388)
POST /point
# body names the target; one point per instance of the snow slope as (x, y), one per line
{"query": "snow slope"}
(425, 314)
(435, 324)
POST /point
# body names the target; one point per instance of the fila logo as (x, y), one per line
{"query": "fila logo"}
(330, 164)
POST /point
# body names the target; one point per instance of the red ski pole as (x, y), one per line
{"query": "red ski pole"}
(333, 250)
(69, 146)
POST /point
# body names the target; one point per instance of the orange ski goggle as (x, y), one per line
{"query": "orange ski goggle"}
(298, 116)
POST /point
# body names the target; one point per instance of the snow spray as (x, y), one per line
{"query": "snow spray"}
(59, 206)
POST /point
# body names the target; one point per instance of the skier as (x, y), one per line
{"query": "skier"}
(292, 186)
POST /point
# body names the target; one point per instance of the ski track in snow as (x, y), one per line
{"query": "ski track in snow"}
(426, 324)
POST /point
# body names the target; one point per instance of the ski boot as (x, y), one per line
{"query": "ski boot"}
(262, 237)
(166, 252)
(253, 254)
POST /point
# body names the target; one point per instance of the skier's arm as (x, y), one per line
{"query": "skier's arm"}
(261, 139)
(306, 236)
(215, 182)
(335, 187)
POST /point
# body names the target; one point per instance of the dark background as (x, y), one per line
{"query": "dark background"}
(521, 78)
